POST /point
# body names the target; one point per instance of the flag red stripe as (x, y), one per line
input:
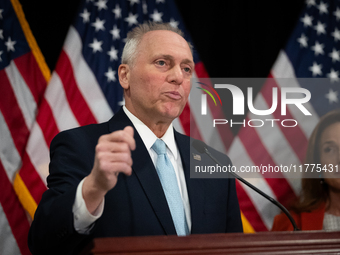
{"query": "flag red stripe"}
(14, 212)
(46, 121)
(260, 156)
(28, 173)
(248, 209)
(12, 114)
(32, 179)
(200, 70)
(294, 135)
(224, 131)
(76, 101)
(32, 75)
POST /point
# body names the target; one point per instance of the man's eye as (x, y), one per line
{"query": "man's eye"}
(187, 69)
(161, 62)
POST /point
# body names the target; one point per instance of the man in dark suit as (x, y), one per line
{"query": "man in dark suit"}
(103, 179)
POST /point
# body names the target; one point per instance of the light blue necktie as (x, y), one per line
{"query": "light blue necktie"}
(169, 183)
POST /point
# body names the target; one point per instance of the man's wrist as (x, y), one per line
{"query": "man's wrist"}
(83, 219)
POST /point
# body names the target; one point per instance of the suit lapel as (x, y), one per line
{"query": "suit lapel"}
(146, 173)
(194, 186)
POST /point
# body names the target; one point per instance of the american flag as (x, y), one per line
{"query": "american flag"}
(312, 51)
(23, 80)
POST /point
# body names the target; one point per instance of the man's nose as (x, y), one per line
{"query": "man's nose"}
(175, 75)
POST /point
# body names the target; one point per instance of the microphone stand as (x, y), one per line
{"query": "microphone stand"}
(277, 203)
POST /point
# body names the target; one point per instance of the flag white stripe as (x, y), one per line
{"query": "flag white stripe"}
(240, 158)
(266, 209)
(23, 94)
(283, 72)
(8, 244)
(282, 67)
(38, 151)
(56, 98)
(9, 155)
(85, 78)
(282, 153)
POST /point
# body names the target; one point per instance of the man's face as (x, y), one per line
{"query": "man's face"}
(159, 80)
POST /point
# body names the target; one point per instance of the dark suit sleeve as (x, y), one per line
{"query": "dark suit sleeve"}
(234, 223)
(52, 230)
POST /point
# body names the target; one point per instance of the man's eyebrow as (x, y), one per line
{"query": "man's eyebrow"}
(188, 61)
(165, 56)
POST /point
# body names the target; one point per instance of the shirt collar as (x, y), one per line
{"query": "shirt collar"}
(149, 138)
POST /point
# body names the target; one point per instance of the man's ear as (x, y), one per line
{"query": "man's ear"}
(124, 75)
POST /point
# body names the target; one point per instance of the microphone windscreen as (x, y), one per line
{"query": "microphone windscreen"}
(199, 146)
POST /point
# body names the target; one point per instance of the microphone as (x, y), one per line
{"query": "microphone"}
(201, 147)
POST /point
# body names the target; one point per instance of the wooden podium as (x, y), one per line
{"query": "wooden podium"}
(301, 242)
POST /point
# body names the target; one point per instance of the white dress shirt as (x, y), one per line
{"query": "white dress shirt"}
(83, 219)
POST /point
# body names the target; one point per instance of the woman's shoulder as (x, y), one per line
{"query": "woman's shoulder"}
(311, 220)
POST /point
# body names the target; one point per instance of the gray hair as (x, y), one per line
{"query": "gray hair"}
(134, 37)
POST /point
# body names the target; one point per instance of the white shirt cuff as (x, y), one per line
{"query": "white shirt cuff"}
(83, 219)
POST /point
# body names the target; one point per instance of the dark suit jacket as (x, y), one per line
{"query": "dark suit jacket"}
(136, 206)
